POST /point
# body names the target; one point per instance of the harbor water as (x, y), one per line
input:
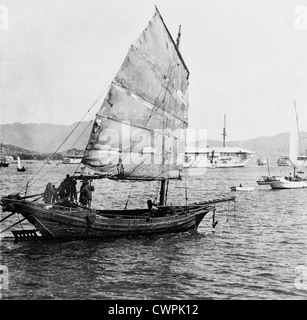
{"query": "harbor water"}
(258, 249)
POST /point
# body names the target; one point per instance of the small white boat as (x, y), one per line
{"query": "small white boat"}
(287, 184)
(241, 188)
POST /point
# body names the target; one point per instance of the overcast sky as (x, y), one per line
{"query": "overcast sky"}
(247, 59)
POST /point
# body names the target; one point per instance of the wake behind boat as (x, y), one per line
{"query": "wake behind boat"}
(138, 135)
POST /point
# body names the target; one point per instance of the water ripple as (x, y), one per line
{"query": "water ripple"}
(252, 253)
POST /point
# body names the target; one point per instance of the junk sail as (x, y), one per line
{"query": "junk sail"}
(140, 130)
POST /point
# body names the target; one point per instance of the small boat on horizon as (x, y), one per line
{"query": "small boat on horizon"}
(4, 159)
(19, 167)
(261, 162)
(241, 188)
(283, 161)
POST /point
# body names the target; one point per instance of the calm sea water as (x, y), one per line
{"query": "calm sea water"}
(255, 252)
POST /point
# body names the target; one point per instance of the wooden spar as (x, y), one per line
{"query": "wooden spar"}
(44, 227)
(162, 193)
(162, 189)
(166, 192)
(215, 201)
(224, 132)
(14, 224)
(267, 162)
(7, 217)
(178, 37)
(90, 177)
(32, 196)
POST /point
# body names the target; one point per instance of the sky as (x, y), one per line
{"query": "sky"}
(247, 59)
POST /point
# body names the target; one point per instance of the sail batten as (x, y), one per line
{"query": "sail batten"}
(140, 129)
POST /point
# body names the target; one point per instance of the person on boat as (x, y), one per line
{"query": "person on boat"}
(61, 190)
(55, 197)
(73, 190)
(67, 185)
(240, 185)
(48, 194)
(151, 205)
(120, 167)
(81, 197)
(290, 177)
(86, 194)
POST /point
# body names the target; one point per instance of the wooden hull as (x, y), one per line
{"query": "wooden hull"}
(60, 222)
(263, 183)
(267, 180)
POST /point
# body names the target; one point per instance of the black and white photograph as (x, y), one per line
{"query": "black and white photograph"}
(153, 152)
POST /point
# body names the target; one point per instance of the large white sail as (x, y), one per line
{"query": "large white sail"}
(18, 162)
(140, 129)
(294, 138)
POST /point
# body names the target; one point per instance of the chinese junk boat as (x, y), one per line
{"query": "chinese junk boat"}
(138, 134)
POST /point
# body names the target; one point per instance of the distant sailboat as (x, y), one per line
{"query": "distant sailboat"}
(266, 180)
(292, 182)
(19, 168)
(3, 158)
(148, 99)
(261, 162)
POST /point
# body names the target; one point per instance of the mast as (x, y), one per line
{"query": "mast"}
(267, 161)
(224, 132)
(178, 37)
(162, 188)
(162, 193)
(294, 139)
(297, 133)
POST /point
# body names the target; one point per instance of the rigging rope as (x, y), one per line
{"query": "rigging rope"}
(77, 125)
(126, 205)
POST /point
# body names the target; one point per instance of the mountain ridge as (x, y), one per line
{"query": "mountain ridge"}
(48, 138)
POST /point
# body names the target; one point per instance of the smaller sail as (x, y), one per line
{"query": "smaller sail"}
(19, 162)
(294, 138)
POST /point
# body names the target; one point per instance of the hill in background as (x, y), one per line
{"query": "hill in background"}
(44, 137)
(47, 138)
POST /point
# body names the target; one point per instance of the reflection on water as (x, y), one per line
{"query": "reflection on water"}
(253, 253)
